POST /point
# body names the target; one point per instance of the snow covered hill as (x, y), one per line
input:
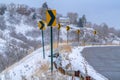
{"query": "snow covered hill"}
(27, 67)
(23, 37)
(2, 45)
(20, 36)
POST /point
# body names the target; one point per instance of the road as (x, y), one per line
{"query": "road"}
(105, 60)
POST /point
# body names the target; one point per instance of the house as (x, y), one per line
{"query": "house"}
(64, 21)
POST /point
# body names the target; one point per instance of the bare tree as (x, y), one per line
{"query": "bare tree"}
(43, 11)
(3, 63)
(2, 9)
(2, 23)
(24, 10)
(73, 17)
(82, 21)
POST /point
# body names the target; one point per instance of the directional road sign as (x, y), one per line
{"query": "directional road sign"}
(51, 17)
(78, 31)
(95, 32)
(67, 28)
(41, 25)
(59, 26)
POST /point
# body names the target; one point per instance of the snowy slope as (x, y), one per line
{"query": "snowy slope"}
(27, 66)
(2, 45)
(22, 28)
(79, 63)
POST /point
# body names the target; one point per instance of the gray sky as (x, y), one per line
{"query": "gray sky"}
(96, 11)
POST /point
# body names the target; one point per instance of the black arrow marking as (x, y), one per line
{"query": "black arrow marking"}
(59, 26)
(42, 25)
(52, 17)
(78, 31)
(68, 28)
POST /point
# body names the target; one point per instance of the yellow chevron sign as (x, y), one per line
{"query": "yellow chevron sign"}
(41, 25)
(51, 17)
(95, 32)
(67, 28)
(78, 31)
(59, 26)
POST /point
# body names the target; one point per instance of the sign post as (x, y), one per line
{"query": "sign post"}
(95, 32)
(78, 32)
(43, 44)
(67, 29)
(59, 26)
(51, 21)
(41, 26)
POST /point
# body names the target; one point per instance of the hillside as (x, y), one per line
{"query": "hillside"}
(34, 66)
(20, 36)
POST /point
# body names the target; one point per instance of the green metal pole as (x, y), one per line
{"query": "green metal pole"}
(51, 49)
(67, 37)
(58, 38)
(78, 39)
(43, 44)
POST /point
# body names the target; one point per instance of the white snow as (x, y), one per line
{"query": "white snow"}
(79, 63)
(37, 39)
(116, 42)
(2, 45)
(63, 34)
(27, 66)
(73, 26)
(2, 41)
(22, 28)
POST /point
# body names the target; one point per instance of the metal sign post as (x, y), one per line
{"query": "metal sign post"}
(43, 44)
(58, 39)
(95, 32)
(78, 38)
(67, 37)
(51, 33)
(51, 21)
(78, 32)
(67, 29)
(59, 26)
(41, 26)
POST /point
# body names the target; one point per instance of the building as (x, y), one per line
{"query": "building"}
(64, 21)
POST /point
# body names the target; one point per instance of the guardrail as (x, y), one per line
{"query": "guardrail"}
(73, 73)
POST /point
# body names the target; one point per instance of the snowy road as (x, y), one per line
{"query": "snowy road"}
(106, 60)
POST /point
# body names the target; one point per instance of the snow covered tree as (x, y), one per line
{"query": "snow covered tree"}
(45, 5)
(105, 30)
(43, 11)
(118, 33)
(2, 23)
(2, 9)
(73, 17)
(82, 21)
(2, 63)
(23, 10)
(12, 9)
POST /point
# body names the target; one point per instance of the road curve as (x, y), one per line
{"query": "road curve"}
(105, 60)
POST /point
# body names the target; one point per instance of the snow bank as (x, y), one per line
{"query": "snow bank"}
(2, 45)
(27, 66)
(78, 62)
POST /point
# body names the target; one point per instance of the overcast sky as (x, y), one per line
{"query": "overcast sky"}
(96, 11)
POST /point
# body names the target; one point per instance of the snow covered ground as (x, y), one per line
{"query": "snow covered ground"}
(27, 66)
(2, 45)
(79, 63)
